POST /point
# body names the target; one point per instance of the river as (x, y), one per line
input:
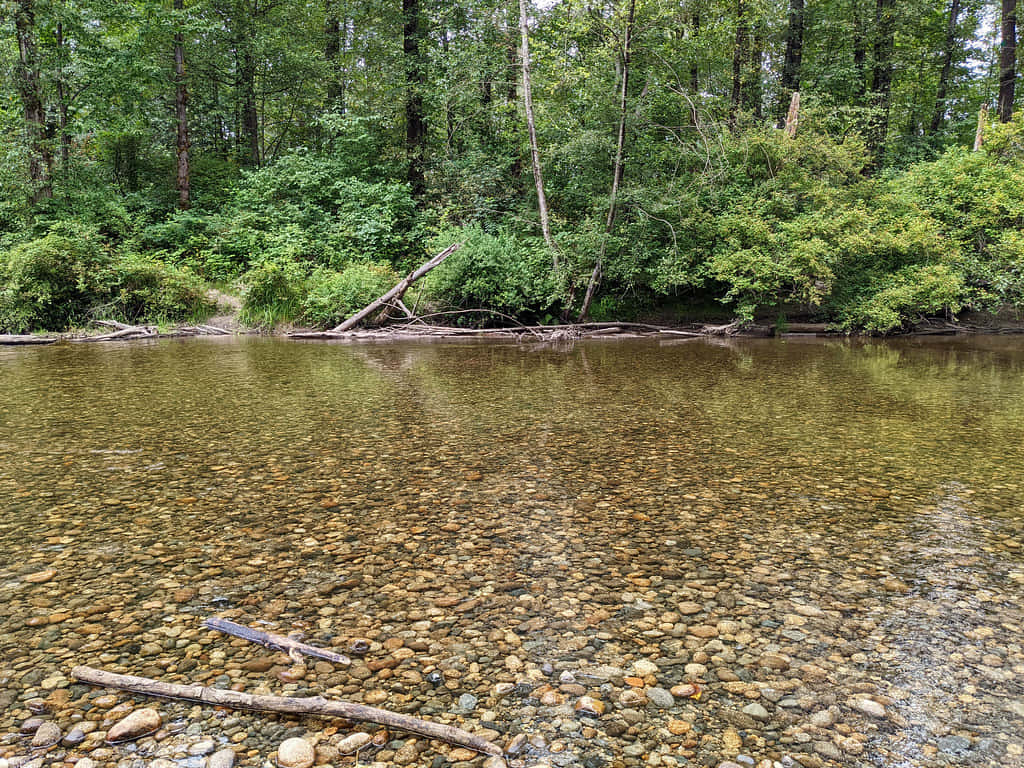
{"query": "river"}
(610, 553)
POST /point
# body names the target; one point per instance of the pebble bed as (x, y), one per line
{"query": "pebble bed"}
(607, 555)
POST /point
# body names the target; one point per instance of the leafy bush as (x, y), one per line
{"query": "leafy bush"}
(497, 271)
(909, 294)
(145, 289)
(51, 283)
(273, 293)
(333, 296)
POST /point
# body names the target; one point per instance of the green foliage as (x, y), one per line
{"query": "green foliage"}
(499, 272)
(909, 294)
(273, 293)
(52, 282)
(333, 296)
(145, 289)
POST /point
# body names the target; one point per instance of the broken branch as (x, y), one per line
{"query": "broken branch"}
(316, 705)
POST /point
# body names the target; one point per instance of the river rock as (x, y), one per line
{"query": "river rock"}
(40, 577)
(354, 741)
(756, 711)
(660, 698)
(406, 754)
(47, 734)
(870, 707)
(135, 725)
(222, 758)
(295, 753)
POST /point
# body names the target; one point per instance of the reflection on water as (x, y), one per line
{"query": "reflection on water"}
(826, 537)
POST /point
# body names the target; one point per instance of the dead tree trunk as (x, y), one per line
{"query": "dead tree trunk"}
(620, 159)
(396, 293)
(181, 111)
(538, 178)
(1007, 60)
(314, 705)
(947, 68)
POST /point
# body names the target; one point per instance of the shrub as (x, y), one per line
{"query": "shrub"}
(146, 289)
(272, 293)
(497, 271)
(51, 283)
(333, 296)
(909, 294)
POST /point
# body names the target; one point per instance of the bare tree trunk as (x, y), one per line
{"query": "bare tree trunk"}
(1007, 60)
(881, 76)
(793, 116)
(694, 66)
(793, 57)
(738, 55)
(531, 126)
(620, 165)
(332, 56)
(415, 81)
(947, 68)
(979, 135)
(30, 90)
(181, 108)
(62, 101)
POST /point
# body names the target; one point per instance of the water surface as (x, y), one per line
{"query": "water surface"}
(830, 530)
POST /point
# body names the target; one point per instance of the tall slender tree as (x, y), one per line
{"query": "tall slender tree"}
(793, 57)
(948, 52)
(620, 163)
(531, 127)
(1007, 60)
(414, 59)
(181, 110)
(30, 90)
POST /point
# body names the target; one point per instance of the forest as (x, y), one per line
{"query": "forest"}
(853, 162)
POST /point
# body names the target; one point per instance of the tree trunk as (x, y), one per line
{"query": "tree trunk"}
(860, 55)
(181, 110)
(538, 178)
(979, 134)
(620, 165)
(415, 82)
(881, 75)
(62, 100)
(40, 157)
(947, 68)
(793, 57)
(751, 88)
(1007, 60)
(694, 67)
(332, 55)
(250, 134)
(312, 705)
(738, 55)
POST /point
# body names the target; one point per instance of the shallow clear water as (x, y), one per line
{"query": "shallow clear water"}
(813, 524)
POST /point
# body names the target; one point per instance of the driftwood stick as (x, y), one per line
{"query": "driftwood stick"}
(316, 705)
(399, 290)
(25, 339)
(277, 642)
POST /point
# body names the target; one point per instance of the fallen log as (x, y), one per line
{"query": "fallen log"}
(7, 338)
(278, 642)
(315, 705)
(398, 291)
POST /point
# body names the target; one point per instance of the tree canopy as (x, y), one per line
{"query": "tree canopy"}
(308, 151)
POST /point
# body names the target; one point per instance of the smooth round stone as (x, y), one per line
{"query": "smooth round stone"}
(587, 705)
(756, 711)
(86, 762)
(47, 734)
(660, 698)
(353, 742)
(222, 758)
(135, 725)
(871, 708)
(295, 753)
(31, 725)
(406, 754)
(467, 701)
(204, 747)
(643, 667)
